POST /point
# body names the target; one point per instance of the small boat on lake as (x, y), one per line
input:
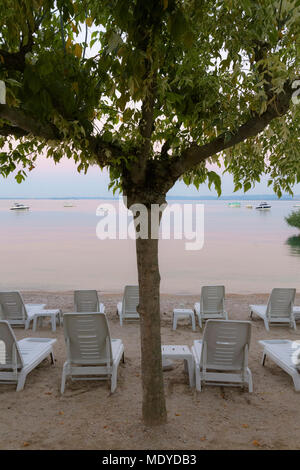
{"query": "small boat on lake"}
(234, 204)
(18, 207)
(263, 206)
(249, 206)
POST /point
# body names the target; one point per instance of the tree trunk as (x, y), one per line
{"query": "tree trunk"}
(154, 407)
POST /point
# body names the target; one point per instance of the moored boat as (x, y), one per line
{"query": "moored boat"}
(263, 206)
(18, 206)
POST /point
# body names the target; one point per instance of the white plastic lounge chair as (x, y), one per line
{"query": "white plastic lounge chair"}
(87, 301)
(221, 357)
(285, 353)
(90, 349)
(127, 308)
(211, 305)
(15, 311)
(279, 309)
(18, 358)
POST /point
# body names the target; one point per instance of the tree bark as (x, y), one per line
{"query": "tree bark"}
(154, 407)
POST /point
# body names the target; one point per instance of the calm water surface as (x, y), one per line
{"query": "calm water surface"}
(52, 247)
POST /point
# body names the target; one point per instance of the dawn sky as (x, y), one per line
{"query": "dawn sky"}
(63, 180)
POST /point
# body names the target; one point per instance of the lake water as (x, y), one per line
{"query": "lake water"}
(52, 247)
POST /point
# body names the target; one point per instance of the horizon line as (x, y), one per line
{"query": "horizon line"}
(222, 197)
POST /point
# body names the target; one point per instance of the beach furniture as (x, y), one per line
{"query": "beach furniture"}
(211, 305)
(179, 352)
(296, 312)
(179, 313)
(90, 349)
(87, 301)
(286, 354)
(279, 309)
(127, 308)
(55, 316)
(18, 358)
(15, 311)
(221, 357)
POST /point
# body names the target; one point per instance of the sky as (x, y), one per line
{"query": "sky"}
(63, 180)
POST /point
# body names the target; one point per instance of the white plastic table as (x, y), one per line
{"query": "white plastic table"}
(180, 352)
(296, 312)
(54, 315)
(181, 313)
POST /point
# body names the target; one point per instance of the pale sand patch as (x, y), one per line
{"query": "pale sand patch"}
(87, 416)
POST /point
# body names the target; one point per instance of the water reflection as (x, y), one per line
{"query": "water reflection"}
(294, 244)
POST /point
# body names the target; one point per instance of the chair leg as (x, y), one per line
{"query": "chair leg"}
(296, 381)
(114, 379)
(174, 322)
(63, 379)
(250, 382)
(53, 322)
(266, 324)
(198, 380)
(263, 359)
(193, 322)
(52, 357)
(21, 381)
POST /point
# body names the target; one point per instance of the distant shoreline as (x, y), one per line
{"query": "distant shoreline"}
(257, 197)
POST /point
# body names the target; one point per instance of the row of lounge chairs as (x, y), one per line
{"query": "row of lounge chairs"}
(279, 309)
(221, 357)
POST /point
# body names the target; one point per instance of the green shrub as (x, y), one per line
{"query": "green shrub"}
(294, 219)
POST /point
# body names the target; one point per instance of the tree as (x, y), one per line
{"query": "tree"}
(175, 85)
(294, 219)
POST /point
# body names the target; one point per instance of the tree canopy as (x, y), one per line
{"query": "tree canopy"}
(178, 83)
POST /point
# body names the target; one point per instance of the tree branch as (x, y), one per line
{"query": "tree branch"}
(196, 154)
(6, 130)
(19, 119)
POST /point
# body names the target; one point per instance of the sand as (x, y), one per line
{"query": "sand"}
(88, 416)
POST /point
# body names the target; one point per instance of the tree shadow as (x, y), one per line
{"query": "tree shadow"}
(294, 244)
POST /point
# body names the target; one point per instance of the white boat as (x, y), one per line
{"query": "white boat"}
(68, 204)
(263, 206)
(18, 206)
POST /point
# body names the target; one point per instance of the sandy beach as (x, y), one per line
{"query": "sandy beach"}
(88, 416)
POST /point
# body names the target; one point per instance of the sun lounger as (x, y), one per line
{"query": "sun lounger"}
(18, 358)
(279, 309)
(15, 311)
(286, 354)
(87, 301)
(221, 357)
(90, 349)
(211, 305)
(127, 308)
